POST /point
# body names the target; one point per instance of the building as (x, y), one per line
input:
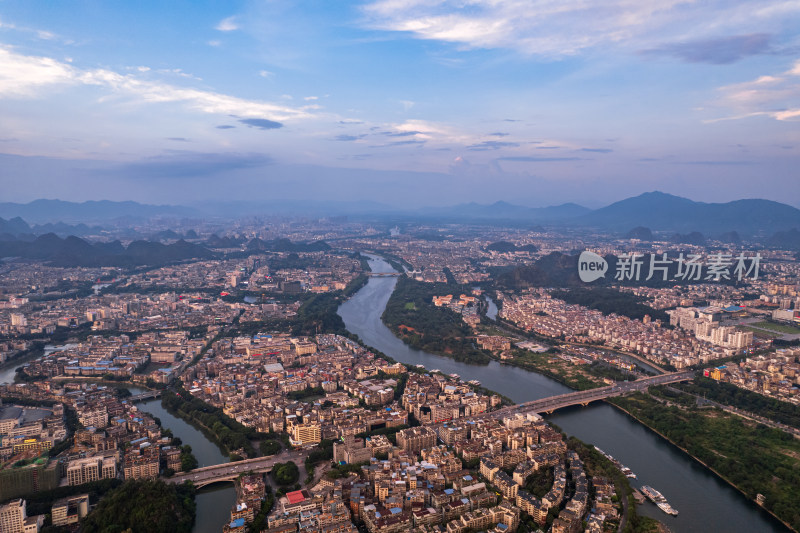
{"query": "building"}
(304, 434)
(414, 440)
(14, 518)
(142, 465)
(88, 469)
(70, 510)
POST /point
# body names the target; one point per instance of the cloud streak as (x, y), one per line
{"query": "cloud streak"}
(773, 96)
(720, 51)
(567, 27)
(24, 76)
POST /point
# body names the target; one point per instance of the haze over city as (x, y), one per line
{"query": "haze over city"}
(406, 103)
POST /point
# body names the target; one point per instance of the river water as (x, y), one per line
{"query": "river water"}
(213, 502)
(706, 503)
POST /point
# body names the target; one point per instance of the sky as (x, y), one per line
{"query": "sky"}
(400, 102)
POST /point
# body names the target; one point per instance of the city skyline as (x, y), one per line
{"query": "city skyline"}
(405, 103)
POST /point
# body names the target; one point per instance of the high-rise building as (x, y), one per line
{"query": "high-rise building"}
(14, 518)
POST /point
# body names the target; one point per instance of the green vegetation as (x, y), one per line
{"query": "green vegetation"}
(318, 315)
(754, 458)
(42, 502)
(540, 482)
(285, 474)
(753, 402)
(597, 465)
(427, 327)
(578, 377)
(221, 429)
(339, 471)
(310, 392)
(144, 507)
(319, 455)
(188, 460)
(269, 447)
(609, 301)
(780, 328)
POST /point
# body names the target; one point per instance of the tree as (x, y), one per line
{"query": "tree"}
(285, 473)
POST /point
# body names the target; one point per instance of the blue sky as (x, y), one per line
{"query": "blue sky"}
(404, 102)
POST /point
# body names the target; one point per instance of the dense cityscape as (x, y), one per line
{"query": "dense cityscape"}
(324, 432)
(400, 266)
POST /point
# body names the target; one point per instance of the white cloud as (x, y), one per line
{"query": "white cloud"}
(309, 98)
(28, 76)
(227, 24)
(774, 96)
(214, 43)
(556, 28)
(266, 74)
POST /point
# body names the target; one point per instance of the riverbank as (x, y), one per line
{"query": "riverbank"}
(230, 436)
(706, 503)
(620, 404)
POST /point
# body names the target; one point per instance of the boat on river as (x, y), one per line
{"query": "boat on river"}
(622, 468)
(659, 500)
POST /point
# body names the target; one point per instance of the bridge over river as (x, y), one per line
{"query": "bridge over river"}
(552, 403)
(148, 395)
(230, 471)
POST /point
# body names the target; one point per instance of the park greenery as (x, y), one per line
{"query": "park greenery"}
(754, 458)
(426, 327)
(144, 506)
(753, 402)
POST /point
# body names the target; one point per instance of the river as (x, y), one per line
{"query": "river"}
(706, 503)
(213, 502)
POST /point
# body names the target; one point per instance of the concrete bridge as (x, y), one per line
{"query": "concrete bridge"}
(149, 395)
(230, 471)
(384, 274)
(548, 405)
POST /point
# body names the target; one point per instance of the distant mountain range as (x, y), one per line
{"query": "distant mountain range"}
(17, 228)
(634, 217)
(664, 212)
(73, 251)
(41, 211)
